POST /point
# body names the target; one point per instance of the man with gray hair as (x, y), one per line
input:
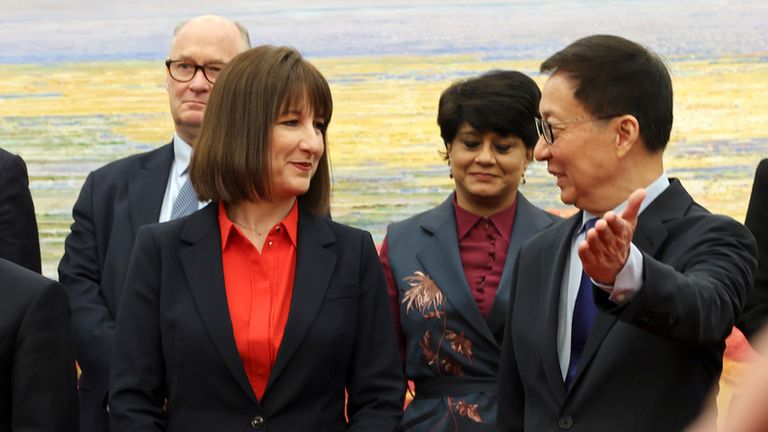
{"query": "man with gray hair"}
(125, 194)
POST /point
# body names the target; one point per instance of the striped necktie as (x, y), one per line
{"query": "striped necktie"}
(186, 202)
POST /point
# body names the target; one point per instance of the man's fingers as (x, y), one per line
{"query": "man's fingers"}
(586, 255)
(633, 206)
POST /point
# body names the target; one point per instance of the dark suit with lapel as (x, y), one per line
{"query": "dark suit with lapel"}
(423, 254)
(648, 365)
(38, 380)
(756, 310)
(114, 202)
(175, 340)
(19, 242)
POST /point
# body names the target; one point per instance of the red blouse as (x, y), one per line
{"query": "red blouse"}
(259, 288)
(483, 245)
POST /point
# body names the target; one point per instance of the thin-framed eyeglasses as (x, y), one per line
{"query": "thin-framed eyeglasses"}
(544, 128)
(184, 71)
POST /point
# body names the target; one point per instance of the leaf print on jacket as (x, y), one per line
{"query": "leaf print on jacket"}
(468, 410)
(460, 344)
(425, 297)
(423, 294)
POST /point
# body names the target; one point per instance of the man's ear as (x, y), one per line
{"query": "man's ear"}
(627, 130)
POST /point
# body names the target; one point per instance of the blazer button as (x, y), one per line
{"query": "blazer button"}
(565, 422)
(257, 422)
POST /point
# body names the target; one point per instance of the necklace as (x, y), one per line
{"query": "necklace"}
(255, 231)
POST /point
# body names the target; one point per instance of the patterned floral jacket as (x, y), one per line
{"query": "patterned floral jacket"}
(451, 350)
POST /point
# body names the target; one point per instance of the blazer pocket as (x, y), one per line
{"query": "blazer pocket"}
(341, 291)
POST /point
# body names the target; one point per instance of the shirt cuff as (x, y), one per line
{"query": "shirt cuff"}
(629, 280)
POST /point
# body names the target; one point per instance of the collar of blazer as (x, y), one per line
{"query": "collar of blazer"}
(441, 259)
(201, 260)
(146, 187)
(670, 205)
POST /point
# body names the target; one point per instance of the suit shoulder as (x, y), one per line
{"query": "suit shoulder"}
(5, 156)
(345, 231)
(762, 167)
(551, 218)
(120, 169)
(21, 283)
(11, 165)
(761, 173)
(554, 233)
(417, 220)
(698, 224)
(159, 230)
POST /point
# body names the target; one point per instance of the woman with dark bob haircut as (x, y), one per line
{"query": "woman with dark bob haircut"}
(449, 269)
(257, 312)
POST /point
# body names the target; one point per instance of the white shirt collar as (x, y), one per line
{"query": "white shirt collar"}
(652, 191)
(182, 152)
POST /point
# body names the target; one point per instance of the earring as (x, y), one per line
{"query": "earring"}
(523, 179)
(450, 173)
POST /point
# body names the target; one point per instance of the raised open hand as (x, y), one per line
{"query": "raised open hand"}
(606, 246)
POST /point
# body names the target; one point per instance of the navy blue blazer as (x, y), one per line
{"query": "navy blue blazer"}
(648, 365)
(19, 241)
(114, 202)
(755, 315)
(175, 341)
(38, 379)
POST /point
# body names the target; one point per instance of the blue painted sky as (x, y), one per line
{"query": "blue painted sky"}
(40, 31)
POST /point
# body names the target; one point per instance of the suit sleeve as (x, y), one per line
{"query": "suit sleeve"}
(394, 297)
(755, 314)
(44, 378)
(511, 397)
(80, 274)
(19, 242)
(375, 382)
(694, 293)
(137, 379)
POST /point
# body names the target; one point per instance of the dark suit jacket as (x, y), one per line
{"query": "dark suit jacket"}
(755, 314)
(114, 202)
(428, 244)
(648, 365)
(175, 341)
(18, 227)
(38, 379)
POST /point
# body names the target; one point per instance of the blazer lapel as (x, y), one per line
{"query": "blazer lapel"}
(650, 233)
(315, 264)
(529, 221)
(553, 265)
(201, 260)
(147, 187)
(441, 261)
